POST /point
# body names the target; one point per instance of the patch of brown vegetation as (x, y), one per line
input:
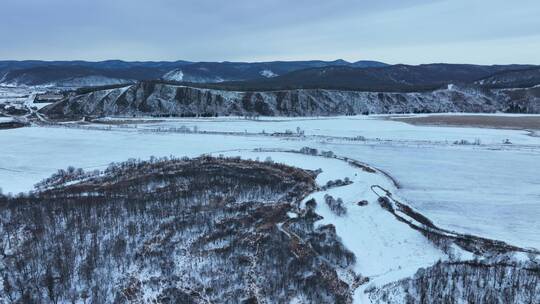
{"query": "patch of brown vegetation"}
(478, 121)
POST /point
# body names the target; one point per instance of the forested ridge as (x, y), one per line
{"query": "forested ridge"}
(173, 231)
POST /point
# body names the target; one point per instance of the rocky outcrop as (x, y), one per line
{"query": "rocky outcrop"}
(157, 99)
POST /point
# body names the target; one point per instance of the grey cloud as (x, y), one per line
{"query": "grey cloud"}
(266, 29)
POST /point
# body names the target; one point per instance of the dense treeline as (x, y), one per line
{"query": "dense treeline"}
(466, 282)
(169, 230)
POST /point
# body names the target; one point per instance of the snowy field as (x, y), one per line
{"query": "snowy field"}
(372, 127)
(491, 189)
(5, 119)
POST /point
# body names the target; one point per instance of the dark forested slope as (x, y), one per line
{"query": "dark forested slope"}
(170, 231)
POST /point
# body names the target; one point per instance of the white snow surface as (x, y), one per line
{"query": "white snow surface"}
(174, 75)
(373, 127)
(268, 73)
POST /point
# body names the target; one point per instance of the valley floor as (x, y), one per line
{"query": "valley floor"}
(480, 181)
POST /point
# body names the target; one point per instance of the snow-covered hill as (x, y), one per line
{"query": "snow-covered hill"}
(208, 230)
(513, 78)
(154, 98)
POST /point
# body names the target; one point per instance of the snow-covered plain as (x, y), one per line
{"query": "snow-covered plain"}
(5, 119)
(373, 127)
(491, 189)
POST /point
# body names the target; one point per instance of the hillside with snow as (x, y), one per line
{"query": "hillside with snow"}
(165, 99)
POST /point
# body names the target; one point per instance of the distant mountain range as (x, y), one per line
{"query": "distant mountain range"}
(83, 73)
(394, 78)
(370, 76)
(293, 88)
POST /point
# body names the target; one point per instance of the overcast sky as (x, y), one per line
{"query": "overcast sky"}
(394, 31)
